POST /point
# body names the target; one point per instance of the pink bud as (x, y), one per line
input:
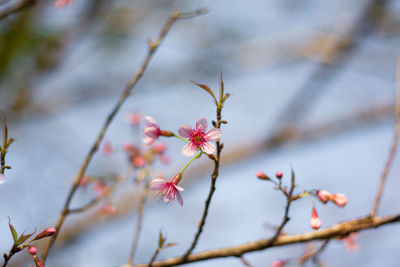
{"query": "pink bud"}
(108, 149)
(108, 209)
(2, 178)
(32, 250)
(339, 199)
(46, 233)
(84, 181)
(315, 221)
(279, 175)
(262, 176)
(160, 147)
(134, 118)
(323, 195)
(127, 146)
(278, 263)
(138, 162)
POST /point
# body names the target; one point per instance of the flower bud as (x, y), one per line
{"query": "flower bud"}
(177, 179)
(339, 199)
(279, 263)
(315, 221)
(323, 195)
(138, 162)
(279, 175)
(262, 176)
(46, 233)
(32, 250)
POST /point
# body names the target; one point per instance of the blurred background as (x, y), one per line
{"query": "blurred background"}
(312, 86)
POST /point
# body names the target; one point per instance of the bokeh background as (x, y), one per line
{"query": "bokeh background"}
(312, 86)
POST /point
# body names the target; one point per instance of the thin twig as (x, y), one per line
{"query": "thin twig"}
(126, 92)
(214, 175)
(139, 223)
(338, 230)
(393, 148)
(245, 262)
(313, 254)
(153, 258)
(14, 7)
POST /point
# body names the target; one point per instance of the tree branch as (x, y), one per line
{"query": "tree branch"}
(338, 230)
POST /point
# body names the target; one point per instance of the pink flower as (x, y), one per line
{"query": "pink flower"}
(139, 162)
(2, 178)
(108, 148)
(315, 221)
(351, 242)
(168, 190)
(151, 131)
(99, 187)
(62, 3)
(278, 263)
(199, 138)
(134, 118)
(339, 199)
(108, 209)
(323, 195)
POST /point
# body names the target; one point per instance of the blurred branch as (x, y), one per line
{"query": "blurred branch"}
(393, 148)
(14, 7)
(338, 230)
(126, 92)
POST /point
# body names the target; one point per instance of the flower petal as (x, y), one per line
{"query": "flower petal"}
(201, 124)
(179, 198)
(151, 120)
(212, 134)
(158, 184)
(178, 187)
(185, 131)
(189, 149)
(207, 147)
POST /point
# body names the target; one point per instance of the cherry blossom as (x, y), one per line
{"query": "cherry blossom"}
(199, 138)
(169, 190)
(151, 130)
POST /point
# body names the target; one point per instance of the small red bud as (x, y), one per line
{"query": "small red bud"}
(315, 221)
(32, 250)
(339, 199)
(323, 195)
(279, 175)
(262, 176)
(46, 233)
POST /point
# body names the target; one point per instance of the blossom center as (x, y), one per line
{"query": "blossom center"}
(197, 138)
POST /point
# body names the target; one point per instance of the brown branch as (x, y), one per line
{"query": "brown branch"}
(126, 92)
(15, 7)
(395, 141)
(245, 262)
(214, 175)
(338, 230)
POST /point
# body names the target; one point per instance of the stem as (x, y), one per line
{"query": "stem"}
(393, 148)
(214, 176)
(139, 223)
(180, 137)
(126, 92)
(190, 161)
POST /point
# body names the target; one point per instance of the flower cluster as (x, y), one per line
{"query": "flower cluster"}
(198, 139)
